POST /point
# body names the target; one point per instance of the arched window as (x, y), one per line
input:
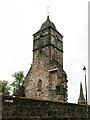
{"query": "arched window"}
(39, 85)
(40, 42)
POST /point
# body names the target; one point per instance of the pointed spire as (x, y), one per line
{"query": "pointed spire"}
(81, 99)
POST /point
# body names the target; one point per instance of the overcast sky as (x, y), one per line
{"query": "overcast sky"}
(20, 19)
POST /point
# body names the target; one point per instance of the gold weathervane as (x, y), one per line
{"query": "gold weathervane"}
(48, 10)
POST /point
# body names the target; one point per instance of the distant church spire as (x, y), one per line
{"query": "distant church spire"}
(81, 99)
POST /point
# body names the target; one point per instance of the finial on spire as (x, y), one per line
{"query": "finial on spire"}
(48, 10)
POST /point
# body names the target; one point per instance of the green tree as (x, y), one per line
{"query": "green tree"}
(4, 87)
(19, 77)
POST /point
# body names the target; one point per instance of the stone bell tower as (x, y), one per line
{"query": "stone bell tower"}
(46, 78)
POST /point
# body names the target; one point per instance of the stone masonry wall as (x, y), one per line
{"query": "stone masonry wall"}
(16, 108)
(39, 70)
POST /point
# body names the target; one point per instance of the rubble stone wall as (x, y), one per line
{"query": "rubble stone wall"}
(16, 108)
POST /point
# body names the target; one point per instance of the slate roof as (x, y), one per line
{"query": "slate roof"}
(47, 23)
